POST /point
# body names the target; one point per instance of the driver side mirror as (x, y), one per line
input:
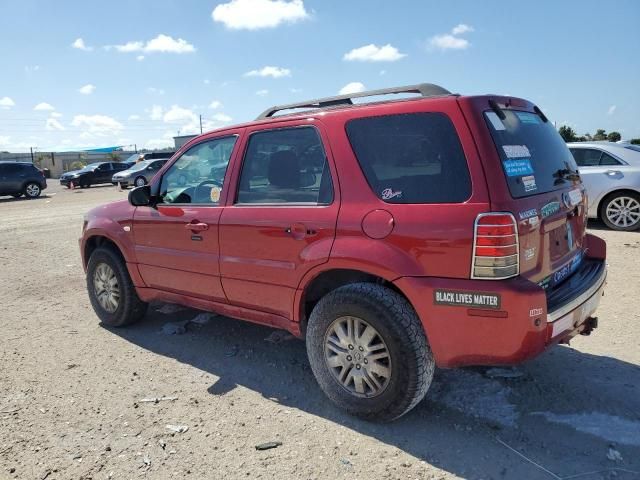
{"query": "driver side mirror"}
(141, 196)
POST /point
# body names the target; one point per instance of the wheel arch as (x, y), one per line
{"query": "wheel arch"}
(330, 279)
(98, 239)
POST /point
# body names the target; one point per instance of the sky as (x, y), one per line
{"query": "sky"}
(80, 74)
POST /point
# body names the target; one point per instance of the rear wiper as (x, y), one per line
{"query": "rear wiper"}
(567, 174)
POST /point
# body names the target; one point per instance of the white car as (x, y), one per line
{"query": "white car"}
(611, 174)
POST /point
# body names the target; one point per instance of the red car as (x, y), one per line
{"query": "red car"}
(394, 236)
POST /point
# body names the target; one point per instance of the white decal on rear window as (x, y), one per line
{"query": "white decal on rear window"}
(495, 121)
(388, 194)
(516, 151)
(529, 183)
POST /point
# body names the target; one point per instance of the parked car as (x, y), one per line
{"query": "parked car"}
(139, 174)
(611, 174)
(141, 157)
(92, 174)
(393, 236)
(21, 178)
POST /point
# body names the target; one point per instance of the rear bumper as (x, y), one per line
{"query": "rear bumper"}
(518, 319)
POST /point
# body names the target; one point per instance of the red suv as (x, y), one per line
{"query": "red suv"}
(394, 236)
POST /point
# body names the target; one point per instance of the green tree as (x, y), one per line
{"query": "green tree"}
(635, 141)
(601, 134)
(567, 133)
(614, 136)
(113, 157)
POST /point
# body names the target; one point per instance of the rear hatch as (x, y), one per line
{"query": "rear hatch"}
(531, 174)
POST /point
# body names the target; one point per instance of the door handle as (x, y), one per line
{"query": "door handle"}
(611, 173)
(196, 226)
(300, 231)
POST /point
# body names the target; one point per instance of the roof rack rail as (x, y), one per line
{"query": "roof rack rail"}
(424, 89)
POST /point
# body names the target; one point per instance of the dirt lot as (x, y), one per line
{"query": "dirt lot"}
(71, 391)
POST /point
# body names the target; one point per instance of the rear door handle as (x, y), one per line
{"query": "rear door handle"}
(611, 173)
(196, 226)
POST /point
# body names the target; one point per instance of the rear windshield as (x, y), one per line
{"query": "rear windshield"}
(411, 158)
(534, 157)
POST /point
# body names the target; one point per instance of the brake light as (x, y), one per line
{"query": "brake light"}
(496, 254)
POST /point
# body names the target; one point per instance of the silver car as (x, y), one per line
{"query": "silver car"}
(138, 175)
(611, 174)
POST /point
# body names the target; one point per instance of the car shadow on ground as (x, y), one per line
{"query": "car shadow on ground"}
(469, 420)
(11, 199)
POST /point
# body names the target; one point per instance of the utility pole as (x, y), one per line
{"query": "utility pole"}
(200, 124)
(135, 147)
(31, 154)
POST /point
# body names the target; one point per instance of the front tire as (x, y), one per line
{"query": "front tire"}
(368, 351)
(32, 190)
(621, 211)
(111, 292)
(140, 182)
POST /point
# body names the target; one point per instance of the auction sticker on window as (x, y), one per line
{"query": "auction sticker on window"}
(518, 167)
(456, 298)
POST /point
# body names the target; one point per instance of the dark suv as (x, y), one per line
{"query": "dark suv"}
(93, 174)
(21, 178)
(394, 236)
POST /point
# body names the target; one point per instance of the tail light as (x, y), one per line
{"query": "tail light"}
(496, 253)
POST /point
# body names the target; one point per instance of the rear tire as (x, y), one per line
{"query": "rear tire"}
(621, 211)
(400, 364)
(32, 190)
(111, 291)
(140, 182)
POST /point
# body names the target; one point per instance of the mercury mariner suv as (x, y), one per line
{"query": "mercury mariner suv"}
(394, 235)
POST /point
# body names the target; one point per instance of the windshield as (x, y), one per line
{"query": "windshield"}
(133, 158)
(140, 166)
(90, 167)
(534, 157)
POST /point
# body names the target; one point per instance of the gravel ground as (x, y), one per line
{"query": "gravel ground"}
(72, 392)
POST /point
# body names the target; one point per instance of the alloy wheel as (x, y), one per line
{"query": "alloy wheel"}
(357, 357)
(105, 285)
(623, 211)
(32, 190)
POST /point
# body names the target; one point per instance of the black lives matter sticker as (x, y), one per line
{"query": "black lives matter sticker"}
(456, 298)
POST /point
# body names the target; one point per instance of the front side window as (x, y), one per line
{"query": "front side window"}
(198, 175)
(411, 158)
(286, 166)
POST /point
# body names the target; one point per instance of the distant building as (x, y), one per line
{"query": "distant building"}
(182, 139)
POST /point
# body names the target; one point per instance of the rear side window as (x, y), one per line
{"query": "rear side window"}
(534, 157)
(286, 166)
(411, 158)
(586, 157)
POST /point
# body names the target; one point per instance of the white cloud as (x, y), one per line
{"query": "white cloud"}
(155, 91)
(268, 71)
(80, 45)
(96, 124)
(158, 143)
(215, 104)
(449, 42)
(206, 81)
(256, 14)
(461, 28)
(262, 92)
(373, 53)
(53, 124)
(6, 102)
(353, 87)
(382, 72)
(30, 69)
(140, 58)
(160, 44)
(177, 114)
(134, 117)
(611, 110)
(55, 114)
(4, 140)
(221, 118)
(44, 106)
(156, 112)
(88, 89)
(452, 41)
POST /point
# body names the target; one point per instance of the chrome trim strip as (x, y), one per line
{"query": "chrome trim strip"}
(576, 302)
(496, 246)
